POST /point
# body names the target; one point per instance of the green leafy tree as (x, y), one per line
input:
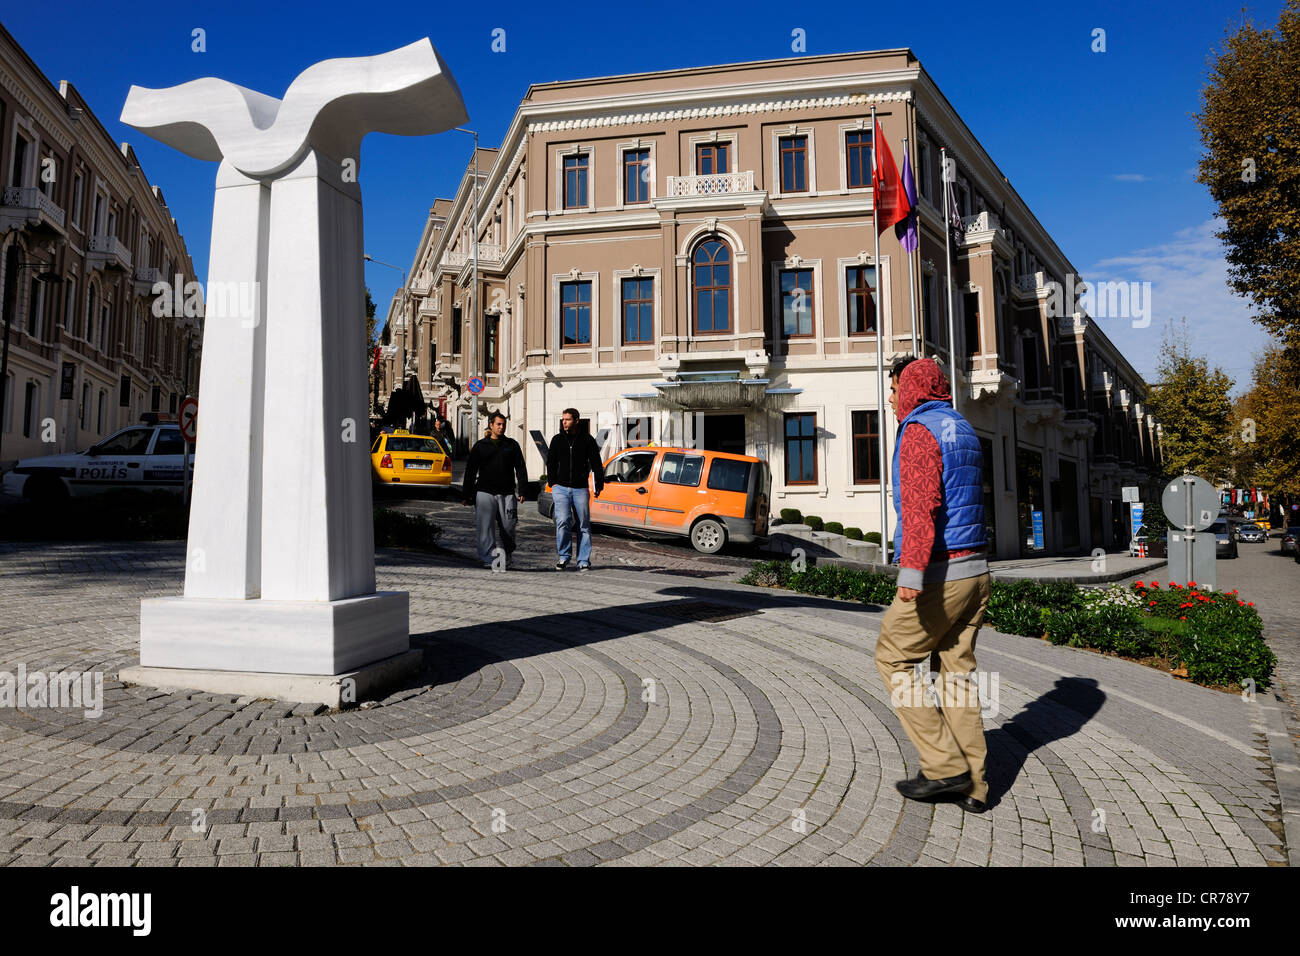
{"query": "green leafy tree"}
(1190, 400)
(370, 328)
(1268, 430)
(1250, 128)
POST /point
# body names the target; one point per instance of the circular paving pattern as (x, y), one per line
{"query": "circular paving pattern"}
(617, 717)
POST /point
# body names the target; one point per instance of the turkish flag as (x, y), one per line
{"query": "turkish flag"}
(887, 186)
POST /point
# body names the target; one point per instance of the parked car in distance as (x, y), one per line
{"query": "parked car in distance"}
(1249, 531)
(1289, 537)
(710, 497)
(142, 457)
(1225, 545)
(404, 458)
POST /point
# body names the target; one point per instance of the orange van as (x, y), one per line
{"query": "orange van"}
(710, 497)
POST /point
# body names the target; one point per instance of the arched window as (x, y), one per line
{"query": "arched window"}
(92, 315)
(711, 266)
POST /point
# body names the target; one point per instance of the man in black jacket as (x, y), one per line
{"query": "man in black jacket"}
(494, 483)
(571, 457)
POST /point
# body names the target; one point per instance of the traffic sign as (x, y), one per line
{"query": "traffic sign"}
(476, 385)
(1130, 494)
(188, 417)
(1204, 499)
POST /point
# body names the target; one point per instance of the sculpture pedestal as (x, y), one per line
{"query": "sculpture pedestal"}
(281, 637)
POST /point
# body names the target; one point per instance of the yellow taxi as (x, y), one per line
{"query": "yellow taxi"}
(400, 457)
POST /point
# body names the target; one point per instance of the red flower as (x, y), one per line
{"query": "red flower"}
(1153, 604)
(1250, 604)
(1140, 585)
(1191, 584)
(1183, 618)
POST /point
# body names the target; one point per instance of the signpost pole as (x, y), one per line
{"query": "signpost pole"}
(1189, 527)
(185, 477)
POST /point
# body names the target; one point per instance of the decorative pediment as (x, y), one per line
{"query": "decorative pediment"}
(793, 262)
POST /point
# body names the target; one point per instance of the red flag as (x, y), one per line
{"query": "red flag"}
(890, 198)
(376, 361)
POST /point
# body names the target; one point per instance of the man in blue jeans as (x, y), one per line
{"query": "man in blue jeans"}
(570, 458)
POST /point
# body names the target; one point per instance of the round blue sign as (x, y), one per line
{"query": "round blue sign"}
(476, 385)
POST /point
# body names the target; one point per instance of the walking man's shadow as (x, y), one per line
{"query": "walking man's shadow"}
(1059, 713)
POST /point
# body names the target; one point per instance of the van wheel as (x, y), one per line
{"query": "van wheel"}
(708, 536)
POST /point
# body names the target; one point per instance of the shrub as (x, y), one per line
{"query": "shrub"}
(768, 574)
(791, 516)
(834, 527)
(813, 522)
(123, 514)
(853, 534)
(395, 529)
(872, 536)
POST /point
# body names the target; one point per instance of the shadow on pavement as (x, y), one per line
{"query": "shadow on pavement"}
(1059, 713)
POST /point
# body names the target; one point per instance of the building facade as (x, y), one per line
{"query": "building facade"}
(687, 257)
(84, 238)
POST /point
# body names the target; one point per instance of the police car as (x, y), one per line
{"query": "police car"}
(142, 457)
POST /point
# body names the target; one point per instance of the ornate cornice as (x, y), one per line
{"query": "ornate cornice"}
(726, 109)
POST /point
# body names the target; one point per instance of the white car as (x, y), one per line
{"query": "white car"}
(143, 457)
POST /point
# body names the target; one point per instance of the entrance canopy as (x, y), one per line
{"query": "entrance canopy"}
(702, 391)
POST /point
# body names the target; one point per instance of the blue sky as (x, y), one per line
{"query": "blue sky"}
(1101, 145)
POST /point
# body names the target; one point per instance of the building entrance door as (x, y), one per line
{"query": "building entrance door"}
(724, 433)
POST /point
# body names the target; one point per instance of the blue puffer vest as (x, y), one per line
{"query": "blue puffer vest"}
(960, 521)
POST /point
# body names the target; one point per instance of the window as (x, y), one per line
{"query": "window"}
(105, 320)
(9, 403)
(923, 169)
(31, 409)
(575, 181)
(727, 474)
(491, 324)
(76, 200)
(85, 406)
(575, 298)
(801, 448)
(456, 323)
(712, 159)
(638, 311)
(133, 441)
(92, 312)
(794, 164)
(631, 468)
(636, 431)
(971, 312)
(18, 172)
(857, 147)
(169, 442)
(680, 469)
(929, 321)
(796, 302)
(861, 284)
(636, 175)
(155, 398)
(70, 305)
(712, 274)
(171, 403)
(97, 222)
(102, 418)
(866, 447)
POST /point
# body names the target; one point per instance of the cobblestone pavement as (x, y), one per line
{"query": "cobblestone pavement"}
(619, 717)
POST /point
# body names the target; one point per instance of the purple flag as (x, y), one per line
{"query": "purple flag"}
(906, 229)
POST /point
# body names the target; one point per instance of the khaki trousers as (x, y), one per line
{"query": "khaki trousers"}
(943, 619)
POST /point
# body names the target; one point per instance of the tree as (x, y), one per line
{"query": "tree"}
(1269, 428)
(370, 329)
(1191, 402)
(1250, 128)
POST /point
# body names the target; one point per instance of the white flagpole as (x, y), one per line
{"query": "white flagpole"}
(911, 265)
(880, 353)
(948, 283)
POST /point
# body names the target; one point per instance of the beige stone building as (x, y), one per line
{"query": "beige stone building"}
(687, 257)
(83, 240)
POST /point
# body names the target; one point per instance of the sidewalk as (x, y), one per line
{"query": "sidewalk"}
(636, 718)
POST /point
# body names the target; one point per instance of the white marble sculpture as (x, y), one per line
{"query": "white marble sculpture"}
(280, 573)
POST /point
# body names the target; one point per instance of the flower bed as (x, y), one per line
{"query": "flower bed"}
(1211, 637)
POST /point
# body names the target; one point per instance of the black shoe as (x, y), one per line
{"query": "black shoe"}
(561, 565)
(971, 805)
(922, 787)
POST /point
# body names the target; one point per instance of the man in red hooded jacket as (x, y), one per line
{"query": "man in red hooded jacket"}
(943, 586)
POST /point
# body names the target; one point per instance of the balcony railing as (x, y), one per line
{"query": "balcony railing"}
(30, 197)
(108, 251)
(486, 253)
(712, 185)
(145, 277)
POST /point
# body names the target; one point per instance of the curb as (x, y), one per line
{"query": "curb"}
(1286, 770)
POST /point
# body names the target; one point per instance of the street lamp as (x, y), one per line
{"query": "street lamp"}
(46, 276)
(473, 315)
(405, 322)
